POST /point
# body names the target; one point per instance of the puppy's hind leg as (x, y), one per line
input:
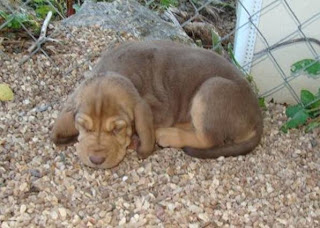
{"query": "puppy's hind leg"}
(187, 134)
(178, 138)
(227, 114)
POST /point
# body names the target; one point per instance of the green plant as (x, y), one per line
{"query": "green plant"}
(217, 3)
(159, 5)
(168, 3)
(307, 113)
(216, 42)
(42, 7)
(15, 21)
(309, 66)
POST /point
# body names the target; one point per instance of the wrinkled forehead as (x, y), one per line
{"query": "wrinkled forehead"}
(99, 102)
(97, 105)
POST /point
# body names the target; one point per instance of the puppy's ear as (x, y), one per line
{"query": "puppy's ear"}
(144, 127)
(64, 130)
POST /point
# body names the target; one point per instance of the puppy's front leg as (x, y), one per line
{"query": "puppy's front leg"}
(144, 128)
(64, 130)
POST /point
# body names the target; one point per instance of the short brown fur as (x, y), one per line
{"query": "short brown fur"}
(166, 93)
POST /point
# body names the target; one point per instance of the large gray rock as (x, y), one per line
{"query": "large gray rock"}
(128, 16)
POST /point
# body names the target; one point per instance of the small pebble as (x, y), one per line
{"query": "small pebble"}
(54, 215)
(23, 208)
(35, 173)
(62, 212)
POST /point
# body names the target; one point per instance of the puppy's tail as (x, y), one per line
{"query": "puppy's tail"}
(241, 148)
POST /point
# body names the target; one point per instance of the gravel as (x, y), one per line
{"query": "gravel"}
(278, 185)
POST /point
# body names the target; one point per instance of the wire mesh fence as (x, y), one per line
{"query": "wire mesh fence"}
(298, 32)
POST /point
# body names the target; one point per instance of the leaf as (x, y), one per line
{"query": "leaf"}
(317, 99)
(199, 43)
(76, 7)
(309, 99)
(233, 58)
(42, 11)
(316, 104)
(310, 66)
(292, 110)
(312, 126)
(284, 129)
(6, 93)
(15, 20)
(316, 114)
(297, 120)
(3, 15)
(262, 103)
(167, 3)
(216, 43)
(306, 97)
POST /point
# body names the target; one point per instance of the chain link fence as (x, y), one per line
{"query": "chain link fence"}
(285, 34)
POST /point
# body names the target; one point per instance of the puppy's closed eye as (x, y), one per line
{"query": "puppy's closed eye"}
(117, 126)
(84, 121)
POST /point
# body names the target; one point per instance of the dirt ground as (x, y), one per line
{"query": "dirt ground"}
(278, 185)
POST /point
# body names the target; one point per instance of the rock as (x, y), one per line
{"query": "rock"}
(54, 215)
(313, 142)
(62, 212)
(35, 173)
(23, 187)
(23, 208)
(194, 225)
(127, 16)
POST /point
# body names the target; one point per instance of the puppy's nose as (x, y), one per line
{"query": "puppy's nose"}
(97, 160)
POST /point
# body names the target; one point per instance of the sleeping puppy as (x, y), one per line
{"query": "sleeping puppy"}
(166, 93)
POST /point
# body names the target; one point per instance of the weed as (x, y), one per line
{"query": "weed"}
(308, 111)
(16, 21)
(42, 7)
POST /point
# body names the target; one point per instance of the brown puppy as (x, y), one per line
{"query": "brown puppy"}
(174, 95)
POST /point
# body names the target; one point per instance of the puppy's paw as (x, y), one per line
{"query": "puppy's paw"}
(59, 140)
(143, 153)
(145, 150)
(167, 137)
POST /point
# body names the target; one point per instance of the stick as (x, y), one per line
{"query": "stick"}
(170, 15)
(42, 38)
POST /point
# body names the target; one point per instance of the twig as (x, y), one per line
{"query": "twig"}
(42, 38)
(171, 16)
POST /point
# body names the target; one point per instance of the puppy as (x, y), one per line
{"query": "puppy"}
(166, 93)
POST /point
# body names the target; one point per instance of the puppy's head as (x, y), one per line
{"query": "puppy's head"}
(100, 113)
(102, 141)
